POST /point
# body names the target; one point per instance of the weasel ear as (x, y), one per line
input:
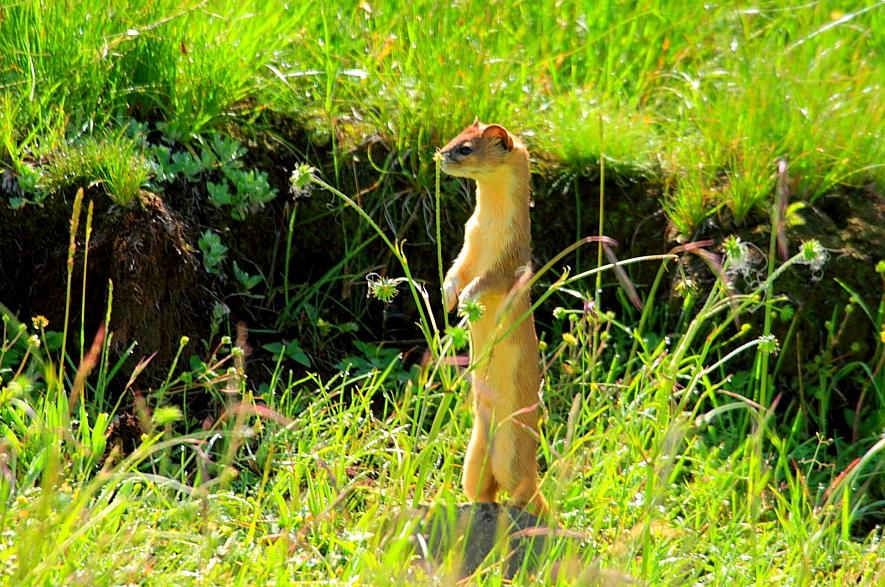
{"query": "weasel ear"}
(495, 131)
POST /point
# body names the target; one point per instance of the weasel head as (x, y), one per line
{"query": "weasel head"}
(480, 150)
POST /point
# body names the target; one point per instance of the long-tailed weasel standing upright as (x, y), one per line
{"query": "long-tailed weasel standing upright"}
(502, 451)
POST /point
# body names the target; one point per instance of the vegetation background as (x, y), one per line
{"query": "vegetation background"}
(194, 389)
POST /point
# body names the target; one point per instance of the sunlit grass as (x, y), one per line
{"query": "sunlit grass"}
(666, 462)
(308, 486)
(716, 91)
(662, 463)
(116, 163)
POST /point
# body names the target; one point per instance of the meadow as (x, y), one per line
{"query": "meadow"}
(686, 438)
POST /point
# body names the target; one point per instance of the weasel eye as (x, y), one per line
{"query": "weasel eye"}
(465, 150)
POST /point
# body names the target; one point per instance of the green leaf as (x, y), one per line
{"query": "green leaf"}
(246, 280)
(219, 194)
(290, 349)
(213, 251)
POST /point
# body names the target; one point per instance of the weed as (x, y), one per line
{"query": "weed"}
(214, 251)
(246, 280)
(250, 190)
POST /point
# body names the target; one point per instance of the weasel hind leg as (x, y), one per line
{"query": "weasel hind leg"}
(527, 493)
(478, 480)
(515, 466)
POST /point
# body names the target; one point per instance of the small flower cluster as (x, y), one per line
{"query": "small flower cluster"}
(738, 258)
(472, 309)
(769, 344)
(815, 256)
(300, 180)
(383, 288)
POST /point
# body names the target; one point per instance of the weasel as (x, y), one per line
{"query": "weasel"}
(501, 454)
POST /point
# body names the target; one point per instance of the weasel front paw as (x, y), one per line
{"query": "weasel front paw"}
(469, 293)
(451, 289)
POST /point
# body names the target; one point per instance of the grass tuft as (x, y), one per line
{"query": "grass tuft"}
(115, 162)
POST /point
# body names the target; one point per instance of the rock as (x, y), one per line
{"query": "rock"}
(479, 530)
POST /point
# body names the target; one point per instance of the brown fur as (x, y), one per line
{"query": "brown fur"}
(502, 451)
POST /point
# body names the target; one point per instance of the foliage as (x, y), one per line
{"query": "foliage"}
(242, 190)
(705, 98)
(214, 251)
(668, 454)
(663, 464)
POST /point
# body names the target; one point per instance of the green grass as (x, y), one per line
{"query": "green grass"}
(667, 453)
(113, 162)
(707, 98)
(664, 463)
(649, 492)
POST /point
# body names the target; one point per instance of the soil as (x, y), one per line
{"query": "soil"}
(145, 250)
